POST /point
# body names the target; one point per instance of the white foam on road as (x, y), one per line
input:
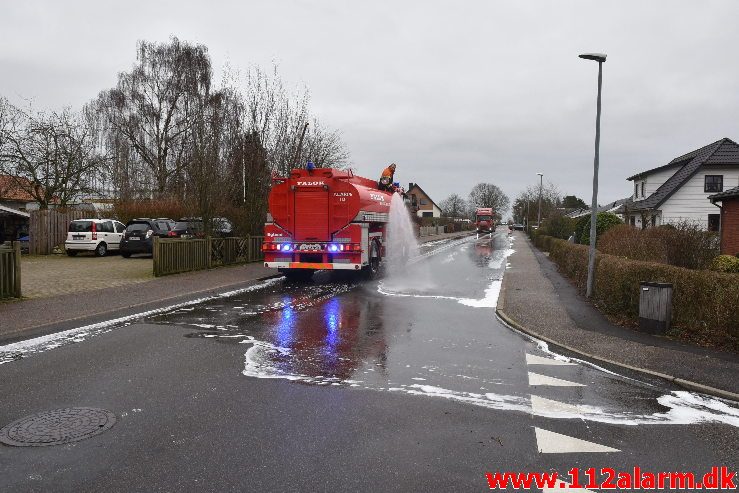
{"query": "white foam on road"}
(21, 349)
(497, 261)
(265, 360)
(688, 407)
(490, 300)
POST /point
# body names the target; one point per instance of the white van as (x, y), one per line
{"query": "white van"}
(93, 235)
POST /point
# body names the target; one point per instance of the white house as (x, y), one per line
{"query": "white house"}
(679, 190)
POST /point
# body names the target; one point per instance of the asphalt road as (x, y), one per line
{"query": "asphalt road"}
(407, 384)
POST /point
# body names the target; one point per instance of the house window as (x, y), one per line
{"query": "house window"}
(424, 202)
(413, 200)
(636, 190)
(642, 189)
(714, 222)
(428, 214)
(714, 183)
(632, 220)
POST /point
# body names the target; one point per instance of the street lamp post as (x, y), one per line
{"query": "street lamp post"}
(600, 58)
(541, 187)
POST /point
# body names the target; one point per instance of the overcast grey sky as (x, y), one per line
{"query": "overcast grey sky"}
(455, 92)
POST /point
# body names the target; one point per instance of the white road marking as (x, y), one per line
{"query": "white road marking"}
(546, 407)
(549, 442)
(537, 379)
(563, 487)
(532, 359)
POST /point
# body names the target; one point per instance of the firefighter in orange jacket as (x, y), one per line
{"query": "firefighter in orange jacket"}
(386, 180)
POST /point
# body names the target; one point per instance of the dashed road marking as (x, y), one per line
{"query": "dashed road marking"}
(532, 359)
(549, 442)
(543, 407)
(537, 379)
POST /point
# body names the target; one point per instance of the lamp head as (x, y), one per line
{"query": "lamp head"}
(598, 57)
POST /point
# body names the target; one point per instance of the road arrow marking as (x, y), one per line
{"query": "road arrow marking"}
(549, 442)
(543, 407)
(532, 359)
(537, 379)
(563, 487)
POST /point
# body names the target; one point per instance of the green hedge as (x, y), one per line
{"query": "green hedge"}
(725, 263)
(603, 222)
(704, 303)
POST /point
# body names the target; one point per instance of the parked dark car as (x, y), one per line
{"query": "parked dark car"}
(183, 230)
(221, 226)
(139, 235)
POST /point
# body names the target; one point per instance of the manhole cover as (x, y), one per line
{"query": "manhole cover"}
(57, 427)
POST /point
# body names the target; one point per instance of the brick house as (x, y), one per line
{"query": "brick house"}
(421, 203)
(728, 202)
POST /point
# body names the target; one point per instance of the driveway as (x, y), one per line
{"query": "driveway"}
(52, 275)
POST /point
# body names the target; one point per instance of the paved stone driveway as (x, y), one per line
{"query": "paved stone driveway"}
(52, 275)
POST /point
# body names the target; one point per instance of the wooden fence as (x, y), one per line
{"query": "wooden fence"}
(172, 256)
(10, 271)
(48, 228)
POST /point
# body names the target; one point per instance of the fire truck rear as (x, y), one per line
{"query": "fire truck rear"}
(325, 219)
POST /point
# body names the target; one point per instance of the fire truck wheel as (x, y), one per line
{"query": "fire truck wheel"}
(372, 271)
(298, 274)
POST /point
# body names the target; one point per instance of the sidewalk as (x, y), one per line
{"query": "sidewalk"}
(56, 312)
(536, 299)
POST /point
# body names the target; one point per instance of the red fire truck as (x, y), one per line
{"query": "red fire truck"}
(485, 220)
(325, 218)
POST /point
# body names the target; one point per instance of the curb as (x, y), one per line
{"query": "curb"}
(687, 384)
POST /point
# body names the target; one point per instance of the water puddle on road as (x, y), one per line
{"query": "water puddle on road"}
(438, 340)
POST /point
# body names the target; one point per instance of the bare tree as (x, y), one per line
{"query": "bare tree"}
(50, 156)
(454, 206)
(526, 205)
(325, 148)
(489, 195)
(148, 115)
(278, 118)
